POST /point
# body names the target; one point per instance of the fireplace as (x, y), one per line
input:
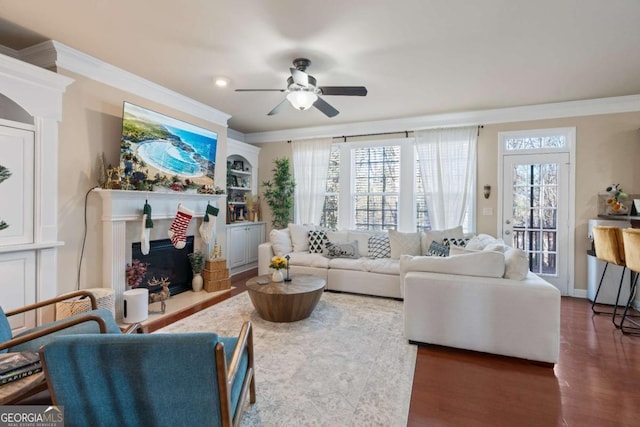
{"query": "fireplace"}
(121, 227)
(165, 261)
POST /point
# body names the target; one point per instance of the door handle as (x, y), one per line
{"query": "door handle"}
(508, 221)
(507, 232)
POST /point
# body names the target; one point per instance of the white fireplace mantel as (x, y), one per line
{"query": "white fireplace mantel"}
(120, 207)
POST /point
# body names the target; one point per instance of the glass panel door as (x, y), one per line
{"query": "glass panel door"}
(534, 212)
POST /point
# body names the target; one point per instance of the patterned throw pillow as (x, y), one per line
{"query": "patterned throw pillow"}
(317, 241)
(379, 247)
(341, 250)
(455, 241)
(438, 249)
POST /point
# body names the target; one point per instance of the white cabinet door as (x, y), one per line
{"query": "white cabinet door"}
(17, 287)
(236, 241)
(255, 236)
(16, 185)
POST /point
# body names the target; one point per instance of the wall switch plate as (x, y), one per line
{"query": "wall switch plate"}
(487, 211)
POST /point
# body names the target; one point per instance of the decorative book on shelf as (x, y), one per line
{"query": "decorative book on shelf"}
(14, 366)
(216, 275)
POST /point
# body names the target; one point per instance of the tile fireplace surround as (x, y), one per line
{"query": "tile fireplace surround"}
(122, 222)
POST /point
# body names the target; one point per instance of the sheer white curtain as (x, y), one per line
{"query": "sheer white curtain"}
(448, 169)
(310, 168)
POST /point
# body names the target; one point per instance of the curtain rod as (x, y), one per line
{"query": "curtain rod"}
(406, 134)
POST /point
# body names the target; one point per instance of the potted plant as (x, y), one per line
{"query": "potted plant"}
(279, 193)
(196, 259)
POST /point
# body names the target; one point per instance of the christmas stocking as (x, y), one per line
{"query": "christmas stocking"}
(147, 225)
(177, 231)
(208, 223)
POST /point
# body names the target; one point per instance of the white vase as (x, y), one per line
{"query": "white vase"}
(277, 276)
(196, 282)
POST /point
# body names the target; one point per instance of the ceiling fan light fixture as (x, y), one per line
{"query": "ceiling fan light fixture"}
(302, 100)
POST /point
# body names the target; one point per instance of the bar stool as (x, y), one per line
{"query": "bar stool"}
(631, 238)
(609, 247)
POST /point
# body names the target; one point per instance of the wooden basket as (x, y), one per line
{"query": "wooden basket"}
(217, 285)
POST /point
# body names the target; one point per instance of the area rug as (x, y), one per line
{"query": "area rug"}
(346, 365)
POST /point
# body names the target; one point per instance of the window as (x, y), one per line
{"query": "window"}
(376, 187)
(422, 214)
(330, 210)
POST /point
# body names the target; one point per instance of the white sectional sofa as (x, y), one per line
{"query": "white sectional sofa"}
(363, 275)
(482, 298)
(465, 302)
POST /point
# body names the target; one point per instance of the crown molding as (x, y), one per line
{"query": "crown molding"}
(7, 51)
(51, 54)
(590, 107)
(238, 136)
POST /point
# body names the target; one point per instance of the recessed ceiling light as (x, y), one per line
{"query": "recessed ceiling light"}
(221, 81)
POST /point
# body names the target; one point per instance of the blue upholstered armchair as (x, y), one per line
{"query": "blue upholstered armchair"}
(92, 322)
(197, 379)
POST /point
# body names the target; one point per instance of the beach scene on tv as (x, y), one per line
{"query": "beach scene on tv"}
(159, 151)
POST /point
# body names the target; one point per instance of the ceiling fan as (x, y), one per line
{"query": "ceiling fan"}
(303, 93)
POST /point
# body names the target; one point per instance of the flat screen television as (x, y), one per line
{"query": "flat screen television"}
(154, 146)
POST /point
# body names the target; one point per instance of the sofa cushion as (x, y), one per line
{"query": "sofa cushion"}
(305, 259)
(300, 236)
(516, 264)
(342, 250)
(482, 264)
(379, 246)
(362, 237)
(384, 266)
(438, 249)
(281, 241)
(338, 236)
(481, 241)
(357, 264)
(404, 244)
(439, 235)
(317, 241)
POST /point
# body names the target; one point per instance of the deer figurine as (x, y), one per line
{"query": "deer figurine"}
(161, 296)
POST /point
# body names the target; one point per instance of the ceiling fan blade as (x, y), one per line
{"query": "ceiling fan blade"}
(277, 108)
(260, 90)
(344, 90)
(324, 106)
(299, 77)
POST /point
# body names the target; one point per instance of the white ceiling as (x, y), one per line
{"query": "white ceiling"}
(416, 57)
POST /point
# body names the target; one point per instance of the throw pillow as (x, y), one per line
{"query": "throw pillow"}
(516, 264)
(404, 244)
(455, 241)
(300, 236)
(438, 249)
(379, 247)
(280, 242)
(317, 241)
(439, 235)
(341, 250)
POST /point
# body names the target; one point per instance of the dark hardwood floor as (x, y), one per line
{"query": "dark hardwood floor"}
(595, 383)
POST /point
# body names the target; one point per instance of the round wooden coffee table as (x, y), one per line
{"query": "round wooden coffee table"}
(285, 301)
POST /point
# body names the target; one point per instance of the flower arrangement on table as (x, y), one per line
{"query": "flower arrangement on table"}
(135, 272)
(614, 201)
(278, 263)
